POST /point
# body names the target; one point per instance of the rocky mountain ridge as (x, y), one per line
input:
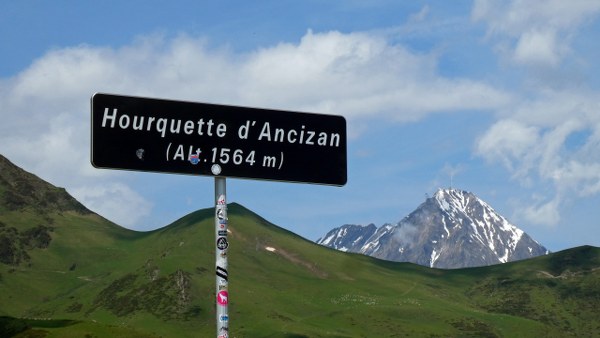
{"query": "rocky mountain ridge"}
(20, 189)
(452, 229)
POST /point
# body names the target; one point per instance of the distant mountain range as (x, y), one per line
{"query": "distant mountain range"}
(452, 229)
(68, 272)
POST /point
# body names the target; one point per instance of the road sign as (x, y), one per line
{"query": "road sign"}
(147, 134)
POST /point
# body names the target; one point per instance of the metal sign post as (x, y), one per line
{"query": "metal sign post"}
(222, 283)
(180, 137)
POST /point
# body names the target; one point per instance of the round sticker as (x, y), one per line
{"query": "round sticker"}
(222, 243)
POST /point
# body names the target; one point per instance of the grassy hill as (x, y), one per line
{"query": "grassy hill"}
(97, 279)
(66, 272)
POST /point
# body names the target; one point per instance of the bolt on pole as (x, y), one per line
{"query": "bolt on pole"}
(222, 280)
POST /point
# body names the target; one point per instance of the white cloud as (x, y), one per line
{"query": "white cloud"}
(513, 17)
(538, 130)
(583, 178)
(544, 213)
(537, 31)
(534, 145)
(358, 75)
(419, 16)
(509, 141)
(115, 201)
(406, 235)
(538, 47)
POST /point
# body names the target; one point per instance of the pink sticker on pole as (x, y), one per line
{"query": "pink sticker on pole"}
(222, 298)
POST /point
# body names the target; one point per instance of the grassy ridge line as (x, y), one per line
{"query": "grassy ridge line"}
(299, 289)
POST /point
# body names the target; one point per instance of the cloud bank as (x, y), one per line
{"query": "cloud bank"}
(359, 75)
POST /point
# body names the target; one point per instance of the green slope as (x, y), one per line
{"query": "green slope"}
(105, 281)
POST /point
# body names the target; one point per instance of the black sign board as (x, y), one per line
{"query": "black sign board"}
(156, 135)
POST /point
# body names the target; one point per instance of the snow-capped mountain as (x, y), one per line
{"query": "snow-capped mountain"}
(452, 229)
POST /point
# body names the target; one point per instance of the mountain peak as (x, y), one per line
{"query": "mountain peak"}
(455, 198)
(461, 203)
(450, 192)
(452, 229)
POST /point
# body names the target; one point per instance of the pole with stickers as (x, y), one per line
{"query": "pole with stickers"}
(222, 283)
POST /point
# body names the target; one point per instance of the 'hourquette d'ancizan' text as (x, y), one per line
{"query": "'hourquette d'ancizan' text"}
(164, 126)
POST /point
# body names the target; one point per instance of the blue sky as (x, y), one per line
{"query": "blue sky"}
(500, 98)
